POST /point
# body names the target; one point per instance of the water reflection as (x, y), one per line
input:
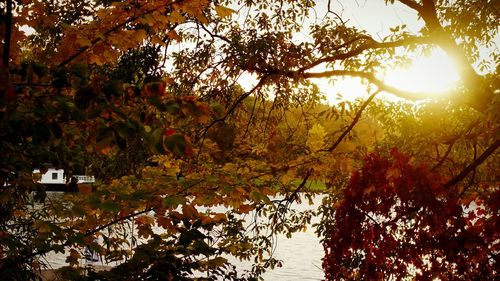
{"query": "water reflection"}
(300, 255)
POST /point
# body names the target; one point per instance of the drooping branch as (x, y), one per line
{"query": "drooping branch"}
(89, 233)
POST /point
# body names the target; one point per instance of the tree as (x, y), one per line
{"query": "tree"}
(147, 93)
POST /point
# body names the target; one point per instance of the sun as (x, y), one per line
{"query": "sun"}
(434, 73)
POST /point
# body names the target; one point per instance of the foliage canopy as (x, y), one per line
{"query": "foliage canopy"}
(149, 96)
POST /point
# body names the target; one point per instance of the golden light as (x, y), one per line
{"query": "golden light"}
(433, 73)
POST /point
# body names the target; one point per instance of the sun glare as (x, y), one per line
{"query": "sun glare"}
(433, 73)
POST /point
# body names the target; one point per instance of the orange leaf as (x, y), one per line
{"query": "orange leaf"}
(224, 12)
(244, 208)
(173, 35)
(189, 211)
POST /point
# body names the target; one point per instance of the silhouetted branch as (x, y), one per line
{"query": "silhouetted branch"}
(490, 150)
(354, 121)
(371, 44)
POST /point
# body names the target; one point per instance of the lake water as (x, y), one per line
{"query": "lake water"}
(301, 254)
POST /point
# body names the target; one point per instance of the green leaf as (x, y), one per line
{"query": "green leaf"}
(110, 206)
(173, 201)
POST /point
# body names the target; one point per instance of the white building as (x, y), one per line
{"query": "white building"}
(57, 176)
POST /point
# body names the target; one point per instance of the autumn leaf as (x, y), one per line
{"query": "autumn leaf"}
(175, 17)
(83, 42)
(73, 258)
(393, 173)
(245, 208)
(95, 59)
(316, 137)
(189, 211)
(173, 35)
(155, 89)
(173, 201)
(223, 12)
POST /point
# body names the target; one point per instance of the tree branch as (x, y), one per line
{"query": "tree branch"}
(88, 233)
(445, 156)
(371, 44)
(382, 86)
(239, 100)
(354, 121)
(479, 94)
(472, 166)
(412, 4)
(292, 197)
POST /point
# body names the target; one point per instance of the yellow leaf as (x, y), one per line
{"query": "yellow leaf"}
(83, 42)
(288, 177)
(176, 17)
(157, 40)
(140, 35)
(95, 59)
(224, 12)
(147, 19)
(316, 137)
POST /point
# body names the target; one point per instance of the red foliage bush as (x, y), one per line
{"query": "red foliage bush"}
(396, 220)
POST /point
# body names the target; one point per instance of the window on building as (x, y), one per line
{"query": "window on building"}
(54, 176)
